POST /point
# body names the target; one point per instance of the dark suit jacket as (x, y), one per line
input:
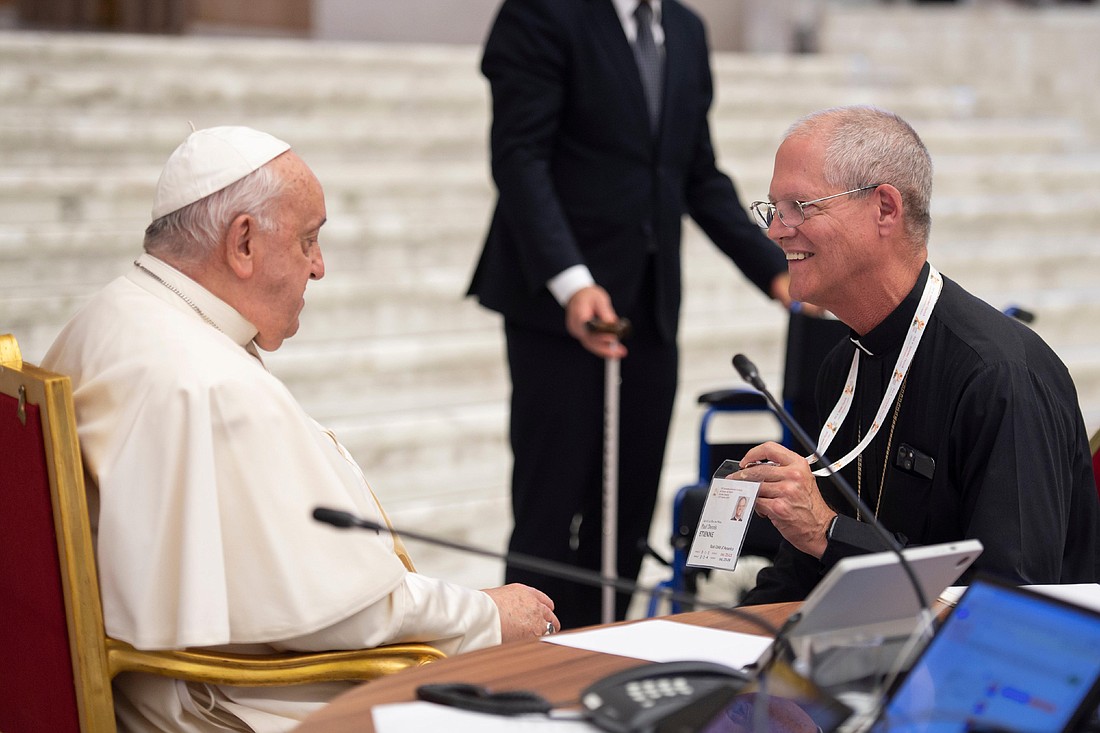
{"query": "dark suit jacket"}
(581, 177)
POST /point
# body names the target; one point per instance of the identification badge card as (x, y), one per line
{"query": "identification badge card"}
(724, 520)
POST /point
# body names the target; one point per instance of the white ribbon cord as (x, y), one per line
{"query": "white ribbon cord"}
(931, 294)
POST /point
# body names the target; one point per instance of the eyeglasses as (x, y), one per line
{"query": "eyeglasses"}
(792, 213)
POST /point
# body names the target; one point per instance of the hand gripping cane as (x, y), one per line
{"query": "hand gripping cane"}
(609, 560)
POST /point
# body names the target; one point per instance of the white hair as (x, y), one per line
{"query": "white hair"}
(866, 145)
(192, 233)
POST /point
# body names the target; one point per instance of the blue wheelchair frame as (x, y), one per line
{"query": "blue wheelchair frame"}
(688, 503)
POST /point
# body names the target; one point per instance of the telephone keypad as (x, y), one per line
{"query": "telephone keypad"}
(649, 692)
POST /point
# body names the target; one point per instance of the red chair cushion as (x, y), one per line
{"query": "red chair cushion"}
(36, 678)
(1096, 470)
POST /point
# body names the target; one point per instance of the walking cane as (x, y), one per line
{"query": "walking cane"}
(609, 549)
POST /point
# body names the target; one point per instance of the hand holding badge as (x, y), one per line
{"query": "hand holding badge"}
(724, 520)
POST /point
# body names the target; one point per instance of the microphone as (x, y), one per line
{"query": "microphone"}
(780, 646)
(340, 519)
(750, 374)
(346, 520)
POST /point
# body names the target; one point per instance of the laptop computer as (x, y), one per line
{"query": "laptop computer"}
(856, 622)
(873, 595)
(1005, 659)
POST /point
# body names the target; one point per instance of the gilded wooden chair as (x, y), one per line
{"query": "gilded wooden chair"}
(58, 662)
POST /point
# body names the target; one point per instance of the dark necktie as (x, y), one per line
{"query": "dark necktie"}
(649, 61)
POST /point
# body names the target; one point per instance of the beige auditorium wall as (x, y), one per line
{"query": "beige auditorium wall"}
(428, 21)
(734, 25)
(751, 25)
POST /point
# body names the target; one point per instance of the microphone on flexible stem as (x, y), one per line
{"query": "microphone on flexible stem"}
(345, 520)
(780, 646)
(750, 374)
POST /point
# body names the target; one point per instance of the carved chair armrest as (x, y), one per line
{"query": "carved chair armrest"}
(246, 670)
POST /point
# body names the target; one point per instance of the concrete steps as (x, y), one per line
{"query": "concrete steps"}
(410, 374)
(1034, 60)
(386, 192)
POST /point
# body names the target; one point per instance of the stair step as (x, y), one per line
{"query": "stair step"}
(391, 355)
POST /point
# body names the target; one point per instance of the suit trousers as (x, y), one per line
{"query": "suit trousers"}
(556, 431)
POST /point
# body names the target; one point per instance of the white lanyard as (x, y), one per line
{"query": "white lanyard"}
(928, 300)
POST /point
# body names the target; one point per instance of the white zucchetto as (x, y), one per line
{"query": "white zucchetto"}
(208, 161)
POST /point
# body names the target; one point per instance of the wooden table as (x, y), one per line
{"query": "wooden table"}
(556, 672)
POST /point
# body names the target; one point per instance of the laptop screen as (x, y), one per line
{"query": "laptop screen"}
(862, 590)
(1006, 659)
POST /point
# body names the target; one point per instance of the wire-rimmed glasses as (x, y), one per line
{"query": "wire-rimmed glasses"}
(792, 213)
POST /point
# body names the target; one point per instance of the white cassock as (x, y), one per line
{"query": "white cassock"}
(204, 473)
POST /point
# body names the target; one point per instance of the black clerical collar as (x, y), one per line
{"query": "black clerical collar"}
(888, 336)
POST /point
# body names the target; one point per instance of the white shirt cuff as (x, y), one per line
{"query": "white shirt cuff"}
(567, 282)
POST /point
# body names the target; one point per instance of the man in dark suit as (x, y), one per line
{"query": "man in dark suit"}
(600, 144)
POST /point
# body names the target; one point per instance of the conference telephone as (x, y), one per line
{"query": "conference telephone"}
(645, 699)
(660, 697)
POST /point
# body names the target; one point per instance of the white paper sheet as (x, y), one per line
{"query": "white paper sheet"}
(403, 717)
(656, 640)
(660, 640)
(1083, 594)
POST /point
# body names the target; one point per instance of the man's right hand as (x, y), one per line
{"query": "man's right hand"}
(788, 496)
(589, 303)
(525, 612)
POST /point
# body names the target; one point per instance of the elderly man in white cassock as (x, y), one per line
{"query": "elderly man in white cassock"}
(204, 470)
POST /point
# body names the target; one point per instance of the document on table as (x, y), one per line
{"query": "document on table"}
(657, 640)
(402, 717)
(660, 640)
(1083, 594)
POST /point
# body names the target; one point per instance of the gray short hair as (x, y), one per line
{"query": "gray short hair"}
(192, 233)
(866, 145)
